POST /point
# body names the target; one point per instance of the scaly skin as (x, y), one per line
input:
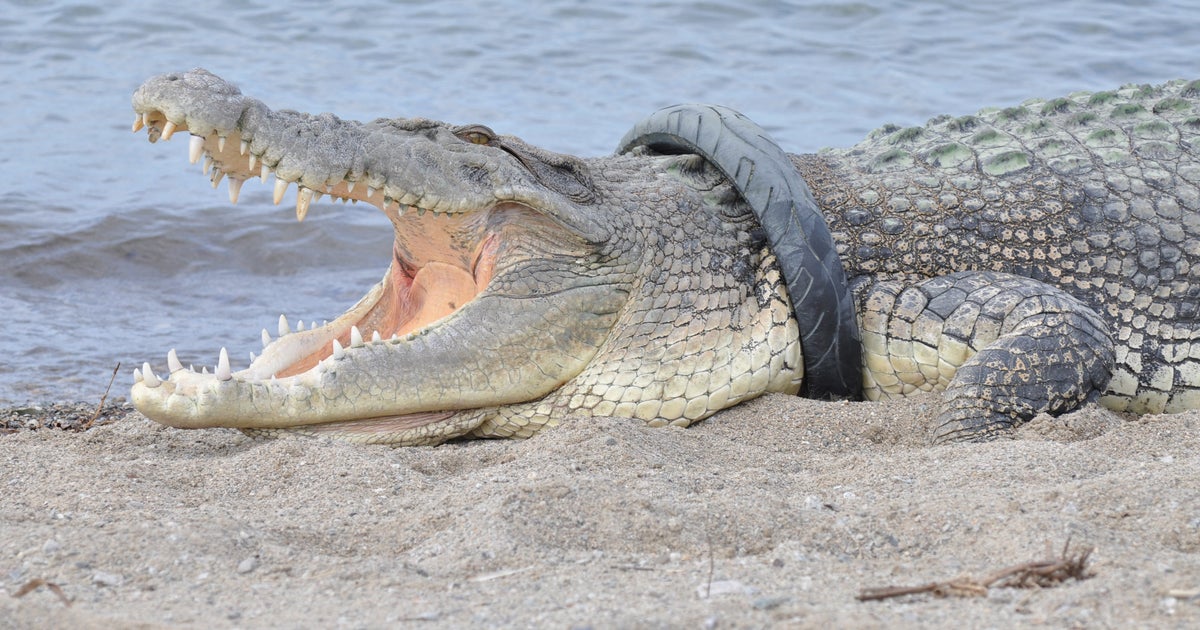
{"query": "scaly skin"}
(1094, 194)
(541, 286)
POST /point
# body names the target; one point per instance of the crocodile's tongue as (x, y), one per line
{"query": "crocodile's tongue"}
(439, 289)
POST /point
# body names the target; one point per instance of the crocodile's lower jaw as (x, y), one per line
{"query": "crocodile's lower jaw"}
(293, 366)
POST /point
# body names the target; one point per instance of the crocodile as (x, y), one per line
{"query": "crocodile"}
(1021, 260)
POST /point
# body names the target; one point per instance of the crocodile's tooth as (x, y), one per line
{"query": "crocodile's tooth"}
(191, 368)
(168, 130)
(263, 174)
(337, 350)
(223, 372)
(253, 161)
(402, 209)
(266, 338)
(394, 337)
(350, 186)
(304, 197)
(375, 336)
(312, 325)
(235, 189)
(195, 149)
(356, 339)
(299, 325)
(317, 195)
(137, 123)
(283, 326)
(221, 143)
(281, 186)
(204, 369)
(149, 375)
(252, 357)
(145, 118)
(217, 176)
(208, 164)
(137, 375)
(370, 192)
(420, 211)
(173, 364)
(243, 148)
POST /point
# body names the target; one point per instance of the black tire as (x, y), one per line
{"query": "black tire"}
(795, 228)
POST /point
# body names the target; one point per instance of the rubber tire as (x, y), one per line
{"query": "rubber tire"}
(795, 228)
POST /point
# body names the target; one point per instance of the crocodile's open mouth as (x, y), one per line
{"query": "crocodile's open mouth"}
(442, 261)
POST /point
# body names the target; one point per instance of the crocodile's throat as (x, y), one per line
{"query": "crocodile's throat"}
(439, 264)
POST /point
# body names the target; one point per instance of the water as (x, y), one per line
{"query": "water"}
(115, 250)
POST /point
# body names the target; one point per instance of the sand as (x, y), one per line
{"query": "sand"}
(775, 513)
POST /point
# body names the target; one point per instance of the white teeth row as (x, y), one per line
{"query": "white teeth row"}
(304, 196)
(146, 373)
(223, 372)
(196, 151)
(285, 328)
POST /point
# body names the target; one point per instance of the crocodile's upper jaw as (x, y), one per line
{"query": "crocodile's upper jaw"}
(446, 258)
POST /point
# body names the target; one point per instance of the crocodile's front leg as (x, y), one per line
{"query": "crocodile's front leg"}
(1002, 348)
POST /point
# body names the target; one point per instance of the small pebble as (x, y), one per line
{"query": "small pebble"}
(247, 565)
(51, 546)
(101, 578)
(769, 603)
(722, 587)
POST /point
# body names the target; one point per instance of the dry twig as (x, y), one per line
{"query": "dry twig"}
(1042, 573)
(32, 585)
(87, 425)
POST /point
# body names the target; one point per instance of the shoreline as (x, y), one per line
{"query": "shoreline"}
(778, 511)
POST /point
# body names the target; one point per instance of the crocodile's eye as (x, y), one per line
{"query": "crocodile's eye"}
(476, 134)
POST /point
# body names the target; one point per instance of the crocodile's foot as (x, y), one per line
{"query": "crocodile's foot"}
(1001, 349)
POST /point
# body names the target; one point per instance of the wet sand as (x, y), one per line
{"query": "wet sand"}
(775, 513)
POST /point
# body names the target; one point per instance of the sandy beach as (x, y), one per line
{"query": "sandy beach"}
(778, 512)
